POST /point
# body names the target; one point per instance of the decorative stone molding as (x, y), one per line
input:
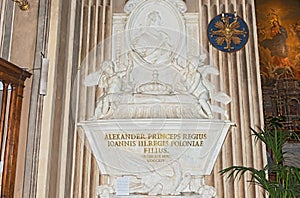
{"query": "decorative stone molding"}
(155, 125)
(132, 4)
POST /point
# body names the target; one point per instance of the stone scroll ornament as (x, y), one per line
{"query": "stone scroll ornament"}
(228, 32)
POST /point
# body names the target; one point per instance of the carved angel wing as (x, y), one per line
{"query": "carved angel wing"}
(222, 97)
(208, 69)
(219, 110)
(92, 79)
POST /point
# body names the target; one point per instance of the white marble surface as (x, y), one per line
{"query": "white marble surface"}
(159, 156)
(154, 122)
(149, 196)
(196, 159)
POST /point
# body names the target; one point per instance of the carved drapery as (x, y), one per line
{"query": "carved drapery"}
(12, 79)
(93, 25)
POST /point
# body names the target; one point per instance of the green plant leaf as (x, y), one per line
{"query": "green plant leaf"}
(286, 182)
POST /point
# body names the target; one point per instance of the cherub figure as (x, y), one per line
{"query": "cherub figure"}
(195, 83)
(192, 77)
(109, 85)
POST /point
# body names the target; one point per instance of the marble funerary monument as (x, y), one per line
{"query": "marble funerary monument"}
(157, 130)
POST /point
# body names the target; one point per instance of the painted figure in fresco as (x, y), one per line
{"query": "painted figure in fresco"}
(296, 28)
(152, 44)
(277, 45)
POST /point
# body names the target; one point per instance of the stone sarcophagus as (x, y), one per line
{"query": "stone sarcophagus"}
(157, 130)
(159, 157)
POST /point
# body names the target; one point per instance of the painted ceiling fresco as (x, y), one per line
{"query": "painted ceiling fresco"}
(278, 23)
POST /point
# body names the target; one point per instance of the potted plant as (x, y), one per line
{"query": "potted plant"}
(277, 178)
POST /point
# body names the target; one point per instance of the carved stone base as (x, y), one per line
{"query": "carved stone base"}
(149, 196)
(181, 171)
(204, 191)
